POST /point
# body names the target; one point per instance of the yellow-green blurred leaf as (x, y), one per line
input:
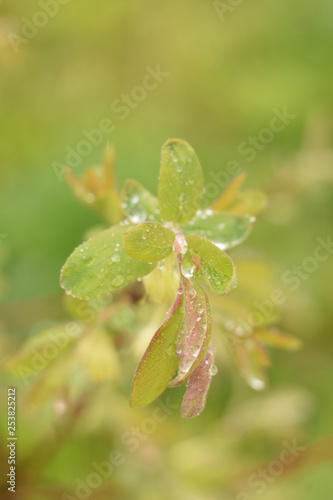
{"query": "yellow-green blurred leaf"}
(97, 188)
(248, 202)
(43, 349)
(97, 354)
(229, 193)
(276, 338)
(162, 283)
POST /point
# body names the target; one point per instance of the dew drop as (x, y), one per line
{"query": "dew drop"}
(239, 331)
(213, 371)
(256, 384)
(118, 280)
(138, 216)
(229, 326)
(180, 244)
(188, 269)
(171, 350)
(115, 257)
(89, 198)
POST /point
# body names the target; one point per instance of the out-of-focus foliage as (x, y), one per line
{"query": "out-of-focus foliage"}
(224, 79)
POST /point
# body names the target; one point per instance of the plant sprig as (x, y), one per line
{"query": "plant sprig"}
(153, 231)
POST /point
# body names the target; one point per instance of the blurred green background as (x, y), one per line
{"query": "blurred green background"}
(228, 67)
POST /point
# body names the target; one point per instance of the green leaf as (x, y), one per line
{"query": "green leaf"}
(205, 260)
(138, 203)
(150, 242)
(194, 336)
(181, 182)
(159, 362)
(101, 265)
(224, 230)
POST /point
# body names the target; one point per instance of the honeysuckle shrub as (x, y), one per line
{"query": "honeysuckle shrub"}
(177, 248)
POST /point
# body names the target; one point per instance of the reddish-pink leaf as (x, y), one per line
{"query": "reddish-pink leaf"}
(197, 388)
(194, 337)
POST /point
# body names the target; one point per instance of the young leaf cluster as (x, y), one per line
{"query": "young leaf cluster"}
(153, 231)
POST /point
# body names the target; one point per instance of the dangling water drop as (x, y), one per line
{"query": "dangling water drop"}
(188, 269)
(256, 383)
(213, 371)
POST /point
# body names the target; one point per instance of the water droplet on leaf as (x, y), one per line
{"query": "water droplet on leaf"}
(118, 280)
(171, 350)
(213, 371)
